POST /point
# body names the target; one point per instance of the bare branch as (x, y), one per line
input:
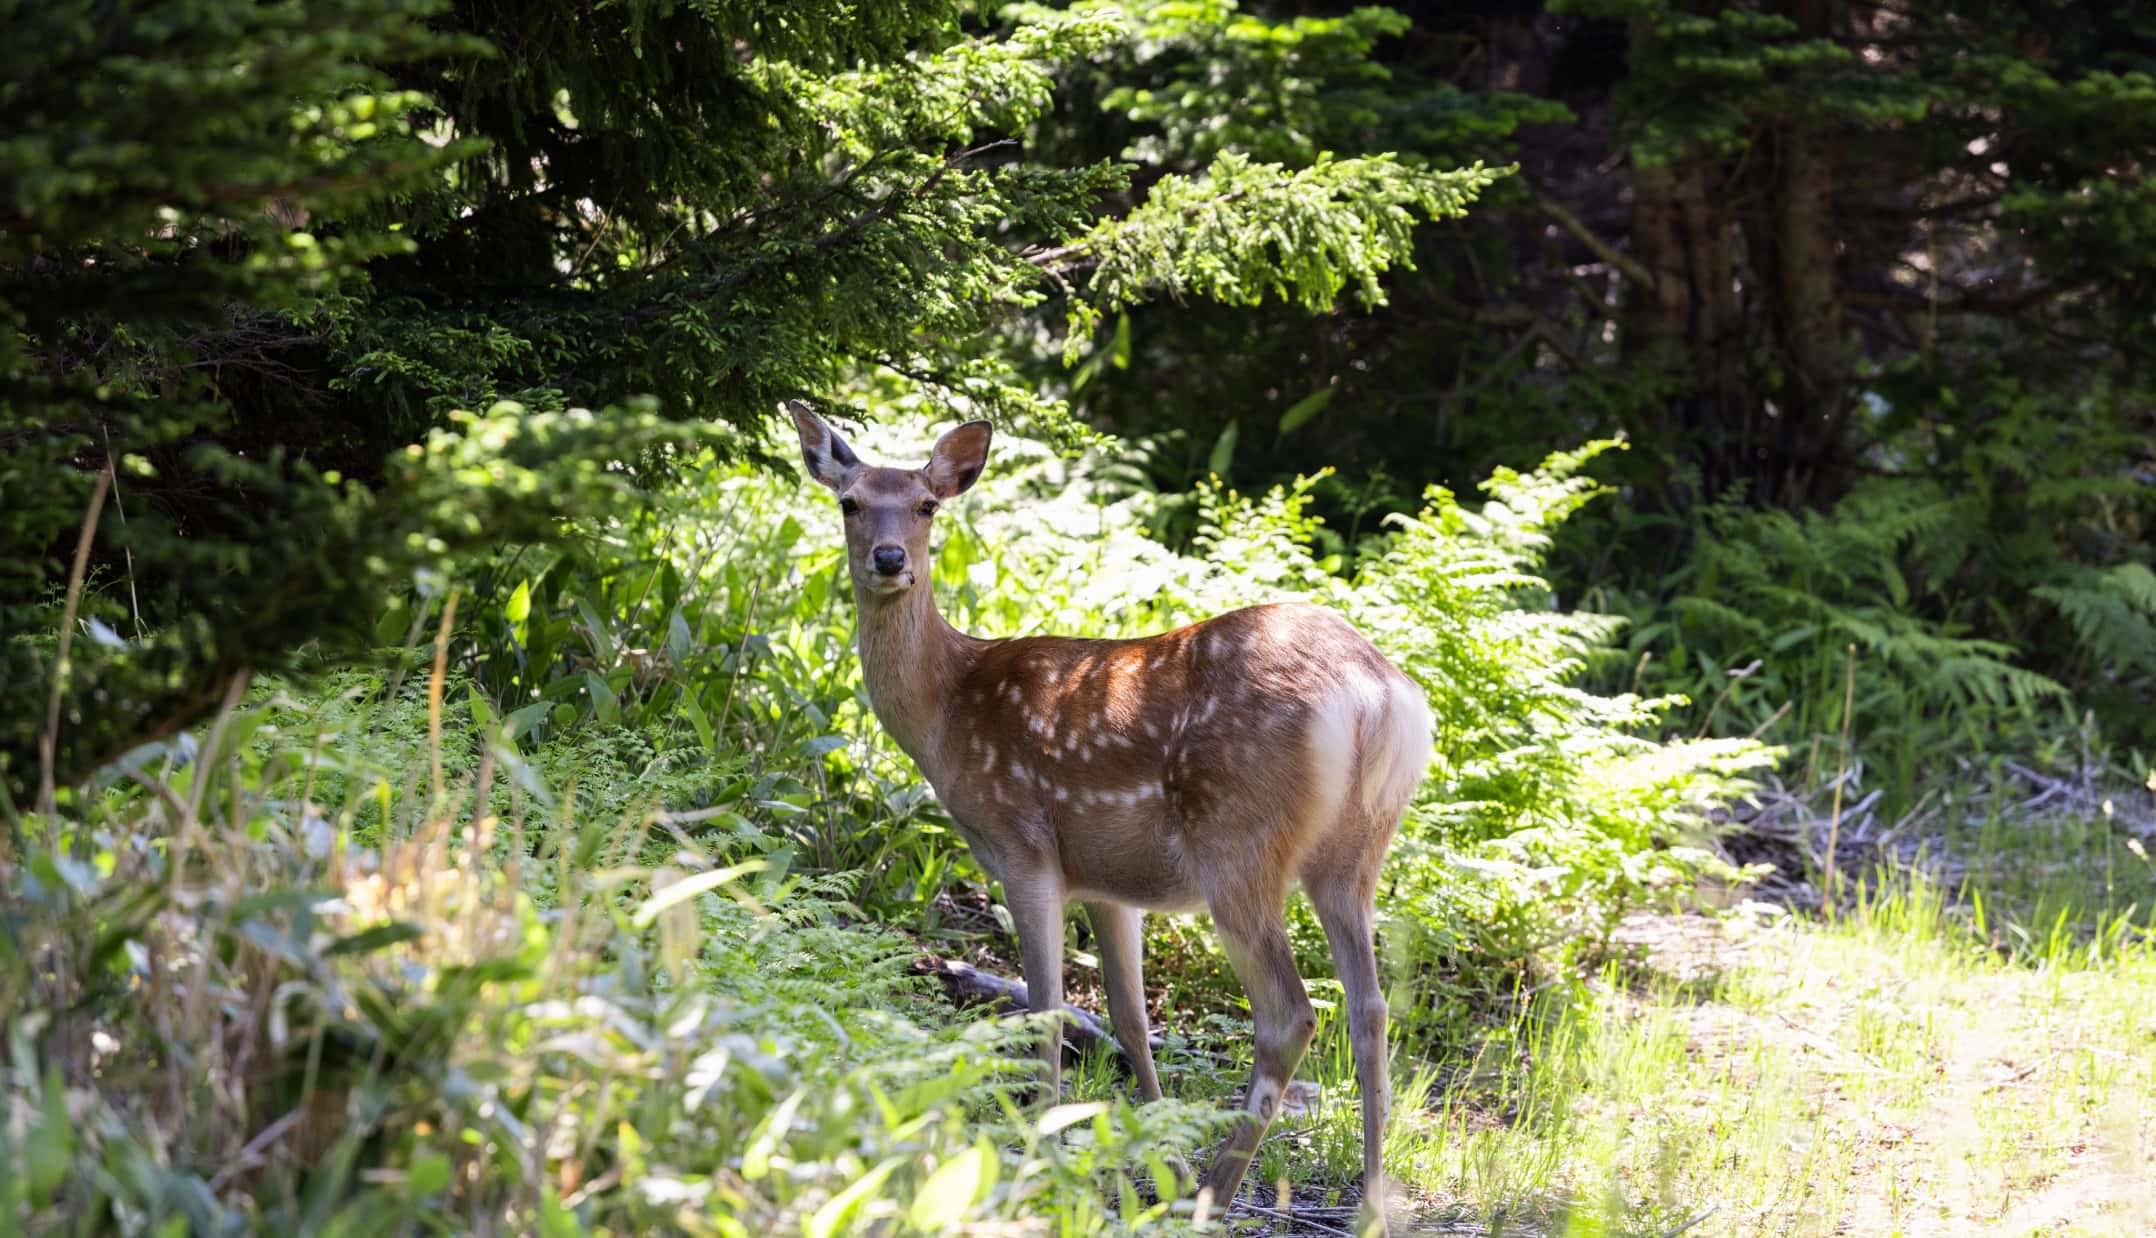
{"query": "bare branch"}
(1626, 265)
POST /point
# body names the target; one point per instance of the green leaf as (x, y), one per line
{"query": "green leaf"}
(519, 606)
(1069, 1115)
(428, 1174)
(1306, 408)
(602, 633)
(605, 706)
(756, 1158)
(689, 887)
(823, 745)
(952, 1189)
(379, 937)
(705, 736)
(678, 640)
(526, 718)
(841, 1207)
(956, 1185)
(49, 1142)
(1223, 451)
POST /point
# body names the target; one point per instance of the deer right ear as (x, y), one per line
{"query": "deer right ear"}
(827, 456)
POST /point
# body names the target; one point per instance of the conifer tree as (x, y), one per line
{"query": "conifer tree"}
(256, 258)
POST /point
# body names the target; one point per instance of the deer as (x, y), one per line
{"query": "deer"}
(1210, 767)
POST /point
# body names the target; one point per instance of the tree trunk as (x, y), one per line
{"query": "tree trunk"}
(1811, 408)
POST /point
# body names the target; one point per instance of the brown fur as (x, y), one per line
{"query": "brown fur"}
(1206, 767)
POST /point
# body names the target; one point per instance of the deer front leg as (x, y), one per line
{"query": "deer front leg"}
(1120, 931)
(1035, 899)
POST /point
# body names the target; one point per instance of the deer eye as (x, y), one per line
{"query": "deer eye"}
(849, 507)
(928, 508)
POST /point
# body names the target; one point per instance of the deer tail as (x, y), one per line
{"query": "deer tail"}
(1395, 742)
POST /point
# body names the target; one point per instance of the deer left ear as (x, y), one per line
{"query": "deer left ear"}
(956, 462)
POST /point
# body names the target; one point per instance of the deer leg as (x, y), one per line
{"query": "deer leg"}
(1257, 945)
(1345, 910)
(1036, 906)
(1122, 944)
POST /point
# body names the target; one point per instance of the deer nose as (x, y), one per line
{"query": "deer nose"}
(889, 560)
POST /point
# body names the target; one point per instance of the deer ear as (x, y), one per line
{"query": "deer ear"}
(956, 462)
(829, 459)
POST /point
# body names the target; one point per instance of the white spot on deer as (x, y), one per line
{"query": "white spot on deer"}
(1152, 729)
(1050, 675)
(1063, 794)
(988, 763)
(1211, 703)
(1013, 692)
(1019, 773)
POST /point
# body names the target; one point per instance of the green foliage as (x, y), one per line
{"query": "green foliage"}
(1282, 92)
(1987, 614)
(400, 209)
(278, 981)
(1248, 230)
(568, 937)
(1547, 818)
(317, 564)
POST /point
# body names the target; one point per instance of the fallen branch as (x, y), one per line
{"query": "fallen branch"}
(967, 985)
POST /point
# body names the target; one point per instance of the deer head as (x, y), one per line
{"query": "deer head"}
(888, 510)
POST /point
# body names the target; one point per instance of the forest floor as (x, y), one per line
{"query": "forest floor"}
(1919, 1062)
(1770, 1073)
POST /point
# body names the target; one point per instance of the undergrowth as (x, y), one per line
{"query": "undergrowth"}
(594, 909)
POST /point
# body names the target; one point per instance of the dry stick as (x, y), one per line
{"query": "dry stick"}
(741, 655)
(48, 741)
(1777, 716)
(134, 601)
(1735, 677)
(1841, 765)
(434, 696)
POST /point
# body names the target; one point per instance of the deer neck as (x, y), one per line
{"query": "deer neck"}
(911, 660)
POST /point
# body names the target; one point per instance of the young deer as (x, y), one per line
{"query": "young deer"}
(1205, 767)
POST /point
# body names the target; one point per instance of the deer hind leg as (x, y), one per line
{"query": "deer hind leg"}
(1256, 939)
(1342, 888)
(1120, 931)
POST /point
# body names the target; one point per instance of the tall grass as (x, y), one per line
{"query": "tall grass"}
(499, 1014)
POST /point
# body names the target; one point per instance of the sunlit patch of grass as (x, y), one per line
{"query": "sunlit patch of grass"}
(1926, 1062)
